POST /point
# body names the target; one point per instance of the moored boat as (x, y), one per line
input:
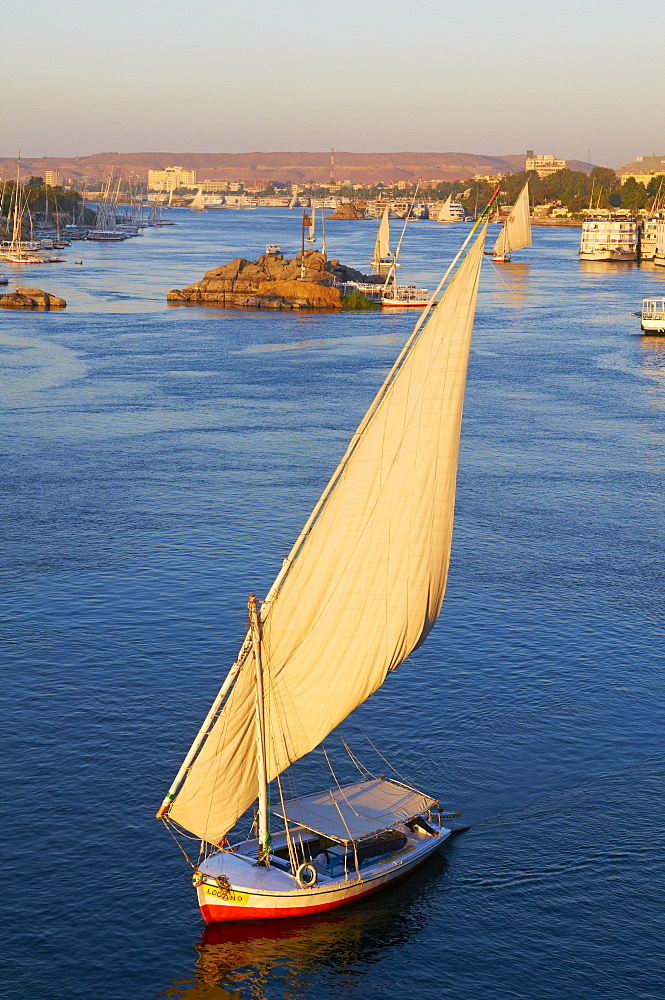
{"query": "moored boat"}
(653, 316)
(659, 250)
(405, 297)
(608, 235)
(648, 235)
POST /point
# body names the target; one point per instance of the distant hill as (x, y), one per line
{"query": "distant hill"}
(299, 167)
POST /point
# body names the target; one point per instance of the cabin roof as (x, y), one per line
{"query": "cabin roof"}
(356, 811)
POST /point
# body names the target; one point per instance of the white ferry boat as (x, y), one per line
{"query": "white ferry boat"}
(659, 251)
(653, 315)
(405, 297)
(608, 235)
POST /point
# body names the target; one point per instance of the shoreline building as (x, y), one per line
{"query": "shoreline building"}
(643, 169)
(53, 178)
(171, 179)
(544, 164)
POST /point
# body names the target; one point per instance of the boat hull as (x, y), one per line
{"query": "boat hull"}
(404, 303)
(218, 903)
(613, 255)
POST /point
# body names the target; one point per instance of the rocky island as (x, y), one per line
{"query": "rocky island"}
(31, 298)
(271, 282)
(348, 212)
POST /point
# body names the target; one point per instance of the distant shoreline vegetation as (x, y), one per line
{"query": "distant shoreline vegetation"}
(65, 203)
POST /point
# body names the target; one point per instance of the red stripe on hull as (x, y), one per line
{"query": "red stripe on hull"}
(213, 914)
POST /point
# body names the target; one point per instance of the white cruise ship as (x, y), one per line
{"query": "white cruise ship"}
(659, 251)
(649, 235)
(608, 235)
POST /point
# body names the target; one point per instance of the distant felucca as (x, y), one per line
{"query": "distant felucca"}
(198, 204)
(312, 223)
(516, 232)
(450, 211)
(383, 259)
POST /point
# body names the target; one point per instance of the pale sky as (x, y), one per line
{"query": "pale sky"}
(480, 76)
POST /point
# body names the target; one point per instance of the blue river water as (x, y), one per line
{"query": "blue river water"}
(157, 463)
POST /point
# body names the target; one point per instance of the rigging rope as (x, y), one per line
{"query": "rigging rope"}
(386, 761)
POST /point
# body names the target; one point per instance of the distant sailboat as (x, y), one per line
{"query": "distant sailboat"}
(294, 198)
(312, 224)
(198, 204)
(402, 296)
(450, 211)
(360, 590)
(516, 232)
(383, 259)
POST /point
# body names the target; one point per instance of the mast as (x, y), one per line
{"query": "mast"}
(302, 244)
(255, 626)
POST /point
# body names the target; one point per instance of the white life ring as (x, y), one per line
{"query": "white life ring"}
(308, 867)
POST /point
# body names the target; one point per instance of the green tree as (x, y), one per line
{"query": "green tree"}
(605, 178)
(633, 195)
(656, 184)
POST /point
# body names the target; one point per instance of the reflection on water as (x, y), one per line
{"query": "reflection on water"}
(513, 282)
(606, 266)
(653, 359)
(281, 956)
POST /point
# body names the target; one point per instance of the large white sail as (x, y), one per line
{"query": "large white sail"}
(198, 204)
(382, 245)
(312, 225)
(516, 232)
(363, 585)
(294, 198)
(445, 215)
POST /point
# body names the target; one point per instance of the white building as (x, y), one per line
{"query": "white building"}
(170, 179)
(543, 163)
(53, 178)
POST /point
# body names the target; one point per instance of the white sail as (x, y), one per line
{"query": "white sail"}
(312, 225)
(445, 215)
(516, 231)
(198, 204)
(382, 245)
(363, 585)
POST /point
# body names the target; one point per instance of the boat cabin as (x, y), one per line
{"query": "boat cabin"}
(341, 833)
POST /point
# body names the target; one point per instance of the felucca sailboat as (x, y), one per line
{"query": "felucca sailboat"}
(312, 223)
(382, 259)
(198, 204)
(361, 589)
(450, 211)
(516, 232)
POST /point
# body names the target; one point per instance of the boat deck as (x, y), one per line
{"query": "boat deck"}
(240, 865)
